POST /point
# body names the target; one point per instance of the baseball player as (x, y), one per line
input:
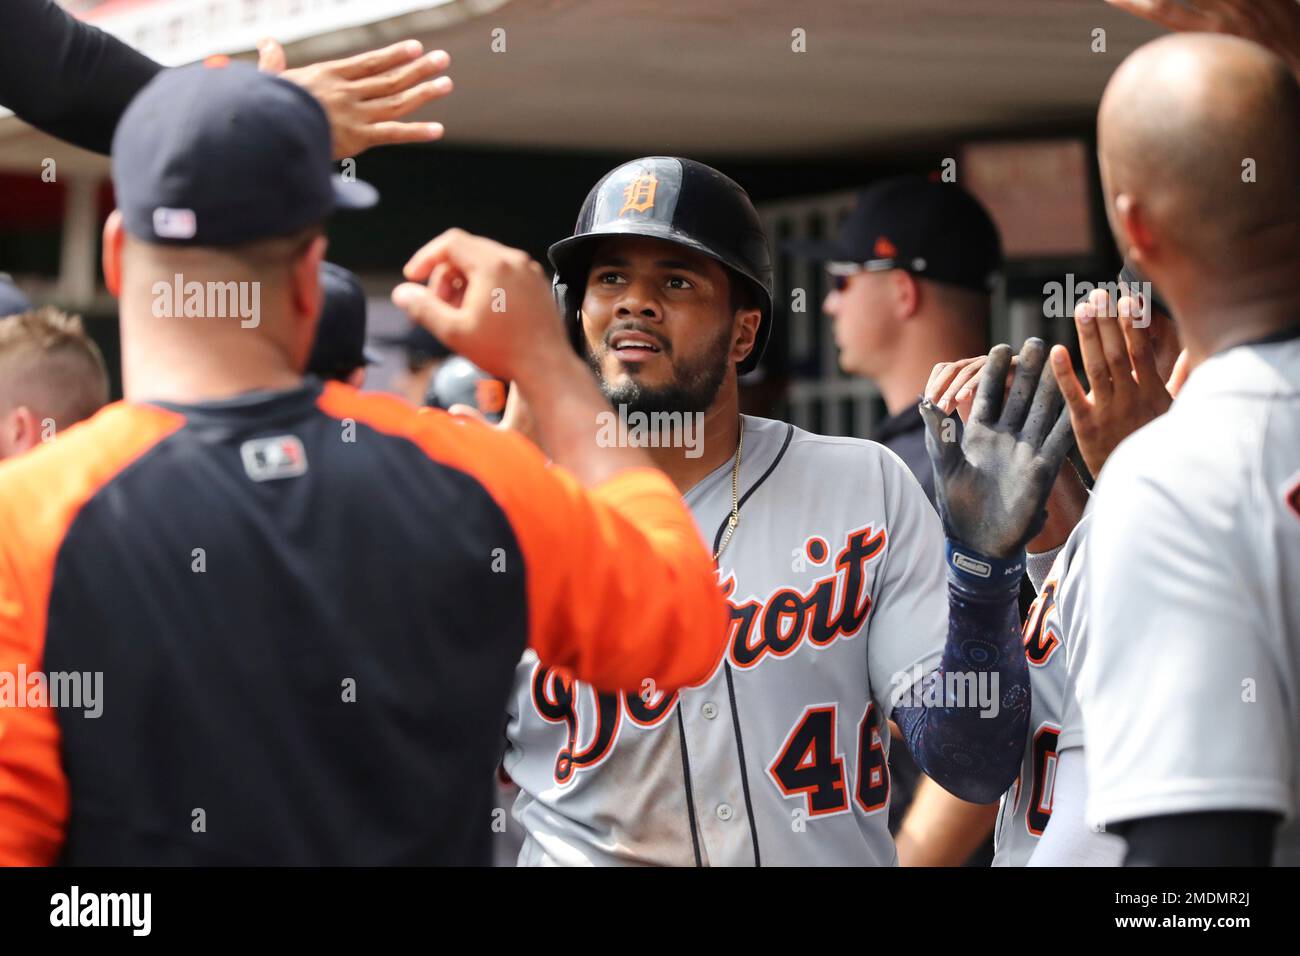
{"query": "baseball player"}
(1190, 692)
(829, 554)
(306, 603)
(339, 352)
(1041, 817)
(52, 375)
(912, 272)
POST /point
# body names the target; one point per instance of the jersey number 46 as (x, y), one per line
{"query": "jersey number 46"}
(810, 763)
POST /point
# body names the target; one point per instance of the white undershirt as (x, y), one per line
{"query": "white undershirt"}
(1068, 840)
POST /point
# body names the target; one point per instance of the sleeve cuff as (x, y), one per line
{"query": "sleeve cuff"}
(1039, 566)
(978, 574)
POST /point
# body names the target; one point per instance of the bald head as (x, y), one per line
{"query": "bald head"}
(1199, 142)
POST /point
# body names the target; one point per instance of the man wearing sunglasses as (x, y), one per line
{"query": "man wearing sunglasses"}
(910, 278)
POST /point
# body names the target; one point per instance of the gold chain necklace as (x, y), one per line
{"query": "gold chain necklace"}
(735, 497)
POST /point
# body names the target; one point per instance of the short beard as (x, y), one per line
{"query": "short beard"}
(695, 386)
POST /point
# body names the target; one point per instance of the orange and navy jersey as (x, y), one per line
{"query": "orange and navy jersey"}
(303, 610)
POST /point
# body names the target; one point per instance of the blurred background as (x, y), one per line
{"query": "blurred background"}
(801, 106)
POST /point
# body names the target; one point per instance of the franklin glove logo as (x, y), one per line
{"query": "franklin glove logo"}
(965, 562)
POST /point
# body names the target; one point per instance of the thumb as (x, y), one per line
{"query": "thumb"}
(943, 435)
(270, 56)
(426, 309)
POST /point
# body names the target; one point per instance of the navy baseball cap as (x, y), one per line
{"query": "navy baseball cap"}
(933, 229)
(340, 346)
(219, 154)
(12, 300)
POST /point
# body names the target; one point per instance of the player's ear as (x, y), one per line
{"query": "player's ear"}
(21, 432)
(744, 332)
(1134, 227)
(305, 287)
(114, 238)
(306, 297)
(907, 293)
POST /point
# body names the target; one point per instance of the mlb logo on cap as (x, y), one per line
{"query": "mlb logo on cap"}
(175, 223)
(222, 156)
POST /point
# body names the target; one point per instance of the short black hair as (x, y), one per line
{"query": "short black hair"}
(744, 292)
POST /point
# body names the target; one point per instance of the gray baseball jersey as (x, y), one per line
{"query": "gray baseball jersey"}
(1191, 689)
(836, 581)
(1056, 639)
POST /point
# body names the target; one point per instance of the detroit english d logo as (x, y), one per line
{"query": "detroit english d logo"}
(639, 194)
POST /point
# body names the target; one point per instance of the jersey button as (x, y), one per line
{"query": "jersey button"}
(725, 812)
(709, 710)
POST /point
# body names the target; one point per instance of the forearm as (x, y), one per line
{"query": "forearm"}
(620, 641)
(941, 829)
(65, 77)
(1068, 840)
(972, 748)
(641, 518)
(566, 407)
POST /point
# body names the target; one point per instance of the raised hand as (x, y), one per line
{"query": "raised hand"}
(366, 96)
(952, 384)
(1271, 23)
(993, 476)
(1126, 389)
(485, 301)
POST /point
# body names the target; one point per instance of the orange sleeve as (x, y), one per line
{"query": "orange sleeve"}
(40, 495)
(620, 587)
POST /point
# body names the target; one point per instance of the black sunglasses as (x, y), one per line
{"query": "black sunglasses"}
(840, 273)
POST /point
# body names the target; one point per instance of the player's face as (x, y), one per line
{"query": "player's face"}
(658, 324)
(863, 324)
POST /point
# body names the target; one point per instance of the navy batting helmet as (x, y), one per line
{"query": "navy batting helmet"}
(680, 201)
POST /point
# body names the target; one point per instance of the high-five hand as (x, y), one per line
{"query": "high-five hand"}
(992, 477)
(366, 96)
(1126, 389)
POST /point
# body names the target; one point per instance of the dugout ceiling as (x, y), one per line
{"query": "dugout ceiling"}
(692, 77)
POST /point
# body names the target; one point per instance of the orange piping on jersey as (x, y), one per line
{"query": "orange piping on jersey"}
(620, 588)
(41, 494)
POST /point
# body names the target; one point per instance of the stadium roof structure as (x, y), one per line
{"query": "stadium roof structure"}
(745, 77)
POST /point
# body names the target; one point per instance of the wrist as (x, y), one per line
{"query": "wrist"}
(982, 575)
(546, 366)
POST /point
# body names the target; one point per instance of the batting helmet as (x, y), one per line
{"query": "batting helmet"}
(677, 200)
(461, 382)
